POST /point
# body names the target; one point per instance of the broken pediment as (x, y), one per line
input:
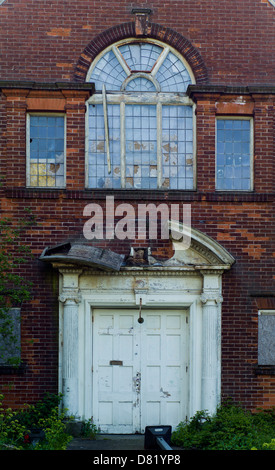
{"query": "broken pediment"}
(193, 247)
(84, 255)
(188, 257)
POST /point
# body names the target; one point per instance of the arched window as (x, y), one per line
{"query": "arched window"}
(140, 121)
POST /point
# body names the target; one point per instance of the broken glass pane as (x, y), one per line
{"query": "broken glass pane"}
(141, 145)
(46, 151)
(177, 146)
(98, 166)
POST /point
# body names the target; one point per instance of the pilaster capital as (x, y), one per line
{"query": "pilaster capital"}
(211, 296)
(70, 296)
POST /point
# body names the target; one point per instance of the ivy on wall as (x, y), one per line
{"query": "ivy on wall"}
(14, 287)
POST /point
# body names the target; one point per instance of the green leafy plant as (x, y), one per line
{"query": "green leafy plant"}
(89, 429)
(14, 288)
(231, 428)
(54, 428)
(270, 445)
(11, 430)
(31, 415)
(17, 427)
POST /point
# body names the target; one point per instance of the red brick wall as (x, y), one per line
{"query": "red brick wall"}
(236, 225)
(44, 41)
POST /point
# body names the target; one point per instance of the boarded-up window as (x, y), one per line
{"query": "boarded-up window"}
(266, 337)
(10, 336)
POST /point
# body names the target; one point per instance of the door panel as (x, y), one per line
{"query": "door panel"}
(114, 366)
(140, 370)
(164, 368)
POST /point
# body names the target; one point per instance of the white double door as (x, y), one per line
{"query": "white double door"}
(140, 370)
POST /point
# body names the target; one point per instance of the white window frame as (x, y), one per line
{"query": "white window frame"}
(28, 156)
(157, 98)
(241, 118)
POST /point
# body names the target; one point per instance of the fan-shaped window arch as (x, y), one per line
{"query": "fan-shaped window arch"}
(140, 121)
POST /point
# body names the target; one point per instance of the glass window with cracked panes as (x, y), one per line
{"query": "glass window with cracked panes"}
(46, 150)
(234, 154)
(140, 121)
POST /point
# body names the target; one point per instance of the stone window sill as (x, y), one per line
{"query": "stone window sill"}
(264, 370)
(12, 370)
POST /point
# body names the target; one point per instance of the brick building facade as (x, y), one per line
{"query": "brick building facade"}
(54, 57)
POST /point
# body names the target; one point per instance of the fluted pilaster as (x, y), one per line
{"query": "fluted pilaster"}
(211, 337)
(70, 298)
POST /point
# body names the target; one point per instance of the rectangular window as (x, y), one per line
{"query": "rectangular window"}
(266, 338)
(151, 145)
(46, 150)
(234, 152)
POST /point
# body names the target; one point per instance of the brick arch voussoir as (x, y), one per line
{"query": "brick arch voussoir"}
(155, 31)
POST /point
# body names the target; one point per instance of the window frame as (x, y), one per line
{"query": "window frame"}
(165, 52)
(28, 156)
(157, 98)
(251, 149)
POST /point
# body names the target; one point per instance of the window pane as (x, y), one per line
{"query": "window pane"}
(177, 147)
(140, 84)
(46, 151)
(108, 71)
(98, 165)
(140, 57)
(233, 154)
(141, 146)
(172, 75)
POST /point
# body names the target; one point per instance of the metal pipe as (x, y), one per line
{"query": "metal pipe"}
(163, 444)
(106, 125)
